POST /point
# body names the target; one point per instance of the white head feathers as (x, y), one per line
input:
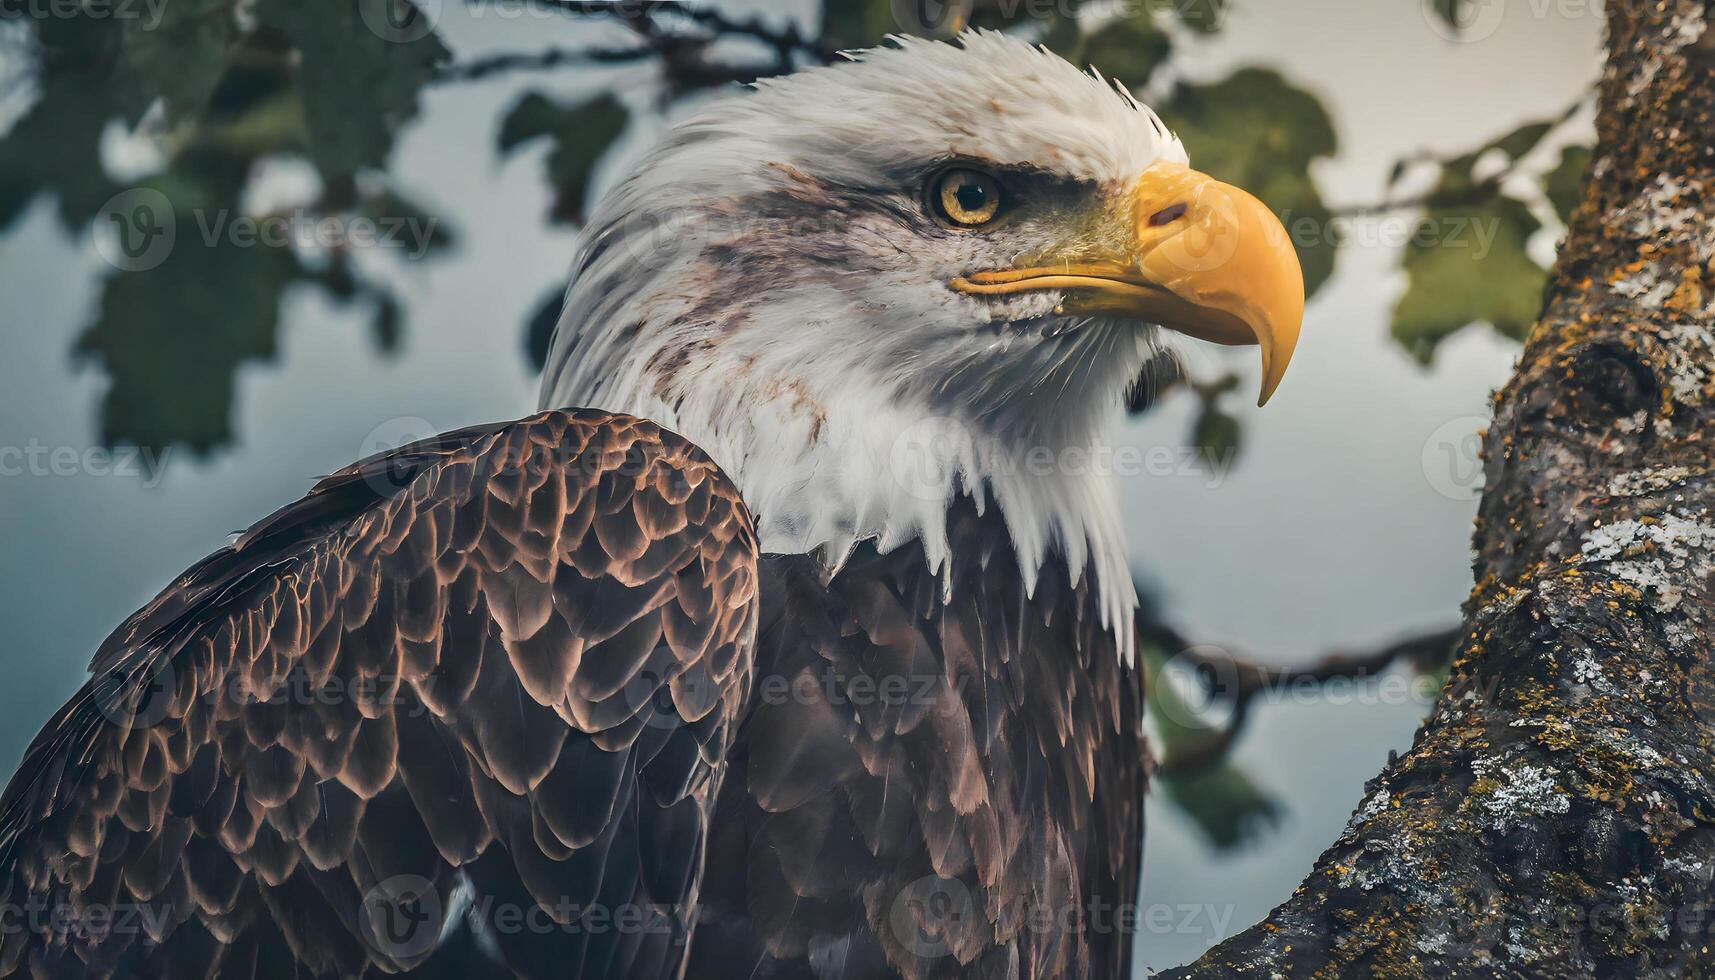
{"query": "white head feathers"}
(770, 285)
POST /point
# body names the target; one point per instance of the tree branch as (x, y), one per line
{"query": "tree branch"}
(1555, 815)
(682, 53)
(1240, 680)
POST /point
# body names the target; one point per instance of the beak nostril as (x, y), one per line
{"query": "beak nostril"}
(1167, 214)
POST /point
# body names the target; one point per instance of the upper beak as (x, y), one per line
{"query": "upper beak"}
(1207, 260)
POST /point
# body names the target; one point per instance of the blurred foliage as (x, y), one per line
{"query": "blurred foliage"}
(1466, 261)
(581, 134)
(1459, 274)
(1565, 181)
(1221, 800)
(219, 87)
(1216, 435)
(173, 385)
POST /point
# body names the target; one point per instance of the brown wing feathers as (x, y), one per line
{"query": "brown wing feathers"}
(510, 657)
(927, 830)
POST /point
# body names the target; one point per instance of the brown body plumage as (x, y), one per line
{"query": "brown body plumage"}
(527, 658)
(517, 653)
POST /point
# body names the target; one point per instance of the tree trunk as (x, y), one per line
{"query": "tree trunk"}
(1556, 813)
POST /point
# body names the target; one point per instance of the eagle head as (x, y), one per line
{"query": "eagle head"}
(973, 247)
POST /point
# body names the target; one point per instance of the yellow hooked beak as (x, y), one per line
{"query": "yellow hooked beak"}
(1207, 260)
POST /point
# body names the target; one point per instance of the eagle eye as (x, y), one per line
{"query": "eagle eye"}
(965, 198)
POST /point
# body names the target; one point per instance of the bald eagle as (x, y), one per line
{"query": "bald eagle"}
(791, 640)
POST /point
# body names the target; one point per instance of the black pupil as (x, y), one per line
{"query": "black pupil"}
(973, 197)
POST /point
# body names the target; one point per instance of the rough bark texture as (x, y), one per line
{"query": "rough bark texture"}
(1556, 814)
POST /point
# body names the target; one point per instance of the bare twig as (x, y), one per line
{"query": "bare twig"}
(481, 68)
(642, 16)
(1240, 680)
(661, 27)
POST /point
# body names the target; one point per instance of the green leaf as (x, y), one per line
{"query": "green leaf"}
(55, 148)
(1225, 804)
(1564, 185)
(172, 338)
(1128, 50)
(1217, 437)
(1523, 139)
(581, 133)
(1258, 131)
(1202, 16)
(181, 59)
(385, 323)
(359, 88)
(1466, 266)
(407, 226)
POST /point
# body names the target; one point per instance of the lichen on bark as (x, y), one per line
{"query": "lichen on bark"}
(1555, 815)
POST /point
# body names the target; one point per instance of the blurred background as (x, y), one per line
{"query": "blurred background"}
(243, 242)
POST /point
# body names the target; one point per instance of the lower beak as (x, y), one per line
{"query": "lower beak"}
(1207, 260)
